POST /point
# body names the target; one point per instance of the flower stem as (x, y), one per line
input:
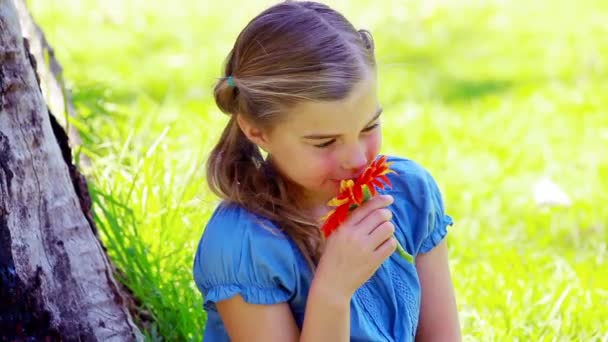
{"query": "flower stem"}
(404, 254)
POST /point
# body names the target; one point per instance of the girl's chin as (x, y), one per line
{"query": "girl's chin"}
(333, 186)
(329, 189)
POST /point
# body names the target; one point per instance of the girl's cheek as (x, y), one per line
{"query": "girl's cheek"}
(374, 143)
(329, 163)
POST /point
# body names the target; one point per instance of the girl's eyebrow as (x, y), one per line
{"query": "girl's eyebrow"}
(333, 136)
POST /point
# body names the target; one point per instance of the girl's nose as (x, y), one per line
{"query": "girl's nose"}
(355, 160)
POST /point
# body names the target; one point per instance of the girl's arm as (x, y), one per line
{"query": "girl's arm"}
(256, 322)
(438, 312)
(327, 315)
(327, 318)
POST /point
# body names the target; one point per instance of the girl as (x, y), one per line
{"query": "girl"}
(300, 87)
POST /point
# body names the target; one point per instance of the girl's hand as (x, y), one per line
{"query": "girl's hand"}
(356, 249)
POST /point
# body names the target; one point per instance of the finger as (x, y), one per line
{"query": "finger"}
(385, 250)
(380, 234)
(374, 219)
(361, 212)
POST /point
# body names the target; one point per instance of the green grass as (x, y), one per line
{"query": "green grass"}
(489, 96)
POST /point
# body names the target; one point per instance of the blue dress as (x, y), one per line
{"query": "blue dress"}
(239, 254)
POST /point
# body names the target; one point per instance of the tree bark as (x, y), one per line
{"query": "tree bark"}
(55, 279)
(50, 74)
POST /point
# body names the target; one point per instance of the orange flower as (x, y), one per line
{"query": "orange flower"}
(354, 193)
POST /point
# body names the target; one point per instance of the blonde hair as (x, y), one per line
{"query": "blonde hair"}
(292, 52)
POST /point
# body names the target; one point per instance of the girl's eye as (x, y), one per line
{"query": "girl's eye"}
(371, 128)
(329, 142)
(325, 144)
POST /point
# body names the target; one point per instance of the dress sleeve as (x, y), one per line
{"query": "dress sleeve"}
(437, 220)
(418, 210)
(240, 253)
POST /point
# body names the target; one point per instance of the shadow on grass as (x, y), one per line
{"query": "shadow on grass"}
(465, 90)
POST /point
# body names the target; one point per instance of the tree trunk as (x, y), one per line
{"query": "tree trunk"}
(55, 279)
(50, 74)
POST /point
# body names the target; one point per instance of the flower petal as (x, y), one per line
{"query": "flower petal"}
(382, 160)
(386, 180)
(377, 183)
(372, 189)
(336, 201)
(358, 195)
(346, 184)
(354, 192)
(334, 219)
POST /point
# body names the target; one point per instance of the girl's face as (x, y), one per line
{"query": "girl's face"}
(321, 143)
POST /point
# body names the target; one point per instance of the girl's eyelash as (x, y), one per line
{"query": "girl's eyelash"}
(327, 143)
(367, 129)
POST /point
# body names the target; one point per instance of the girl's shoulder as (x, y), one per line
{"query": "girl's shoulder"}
(240, 252)
(233, 231)
(418, 209)
(230, 220)
(409, 176)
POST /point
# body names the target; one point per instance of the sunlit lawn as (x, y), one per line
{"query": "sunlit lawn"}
(490, 96)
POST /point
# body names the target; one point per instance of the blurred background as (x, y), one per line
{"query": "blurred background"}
(505, 102)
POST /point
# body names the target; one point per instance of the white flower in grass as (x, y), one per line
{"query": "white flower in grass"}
(547, 193)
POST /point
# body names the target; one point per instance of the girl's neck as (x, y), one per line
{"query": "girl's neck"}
(313, 204)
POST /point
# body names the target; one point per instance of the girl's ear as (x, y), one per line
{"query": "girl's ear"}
(253, 133)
